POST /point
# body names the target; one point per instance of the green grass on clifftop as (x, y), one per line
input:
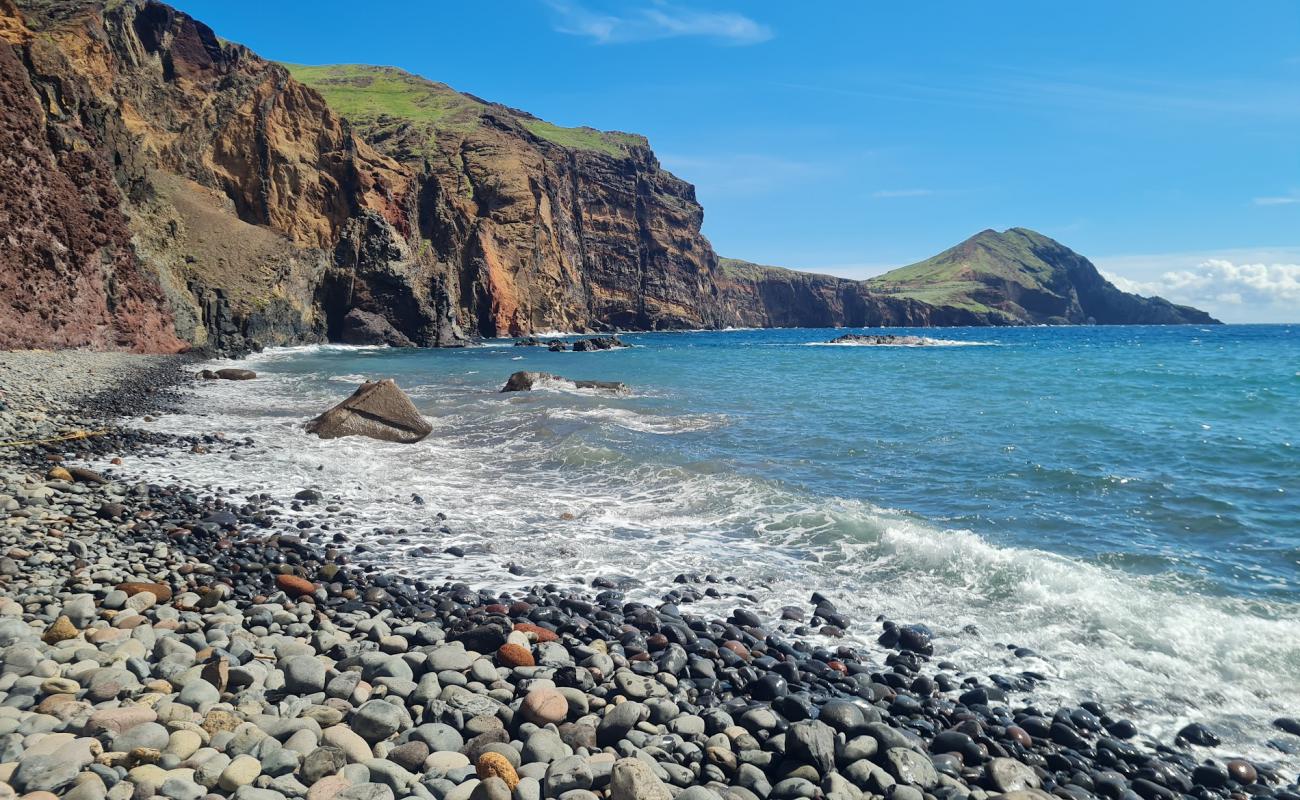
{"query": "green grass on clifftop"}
(364, 94)
(950, 278)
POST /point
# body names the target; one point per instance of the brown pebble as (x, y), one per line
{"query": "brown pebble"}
(537, 632)
(159, 590)
(1242, 771)
(495, 765)
(61, 630)
(515, 655)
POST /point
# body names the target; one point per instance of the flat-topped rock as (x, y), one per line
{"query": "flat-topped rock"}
(525, 381)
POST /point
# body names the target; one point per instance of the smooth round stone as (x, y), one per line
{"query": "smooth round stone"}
(199, 694)
(445, 762)
(148, 734)
(376, 720)
(632, 779)
(565, 774)
(545, 706)
(909, 766)
(769, 687)
(492, 788)
(303, 674)
(184, 743)
(543, 746)
(1009, 775)
(241, 771)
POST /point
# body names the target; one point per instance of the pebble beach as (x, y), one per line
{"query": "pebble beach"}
(186, 642)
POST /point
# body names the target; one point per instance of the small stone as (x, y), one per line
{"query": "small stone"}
(347, 740)
(303, 674)
(631, 779)
(495, 765)
(515, 655)
(545, 706)
(295, 586)
(241, 771)
(147, 734)
(1009, 775)
(446, 761)
(322, 762)
(60, 686)
(199, 694)
(60, 631)
(376, 720)
(161, 591)
(493, 788)
(566, 774)
(812, 742)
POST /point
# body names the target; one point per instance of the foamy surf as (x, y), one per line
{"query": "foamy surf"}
(565, 485)
(911, 341)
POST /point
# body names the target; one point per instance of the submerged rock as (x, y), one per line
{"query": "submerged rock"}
(365, 328)
(598, 343)
(882, 339)
(228, 374)
(527, 381)
(377, 409)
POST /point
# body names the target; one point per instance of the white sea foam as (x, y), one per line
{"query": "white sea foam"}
(518, 487)
(908, 341)
(636, 421)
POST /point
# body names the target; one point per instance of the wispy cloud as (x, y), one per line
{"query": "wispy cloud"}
(661, 20)
(1235, 292)
(1092, 93)
(890, 194)
(1278, 200)
(742, 173)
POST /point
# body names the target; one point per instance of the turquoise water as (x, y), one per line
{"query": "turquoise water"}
(1124, 500)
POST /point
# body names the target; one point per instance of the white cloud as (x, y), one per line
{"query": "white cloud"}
(889, 194)
(1234, 292)
(661, 20)
(1278, 200)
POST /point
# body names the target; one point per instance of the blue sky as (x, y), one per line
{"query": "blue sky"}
(1159, 138)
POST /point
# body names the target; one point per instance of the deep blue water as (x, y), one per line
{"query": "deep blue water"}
(1125, 500)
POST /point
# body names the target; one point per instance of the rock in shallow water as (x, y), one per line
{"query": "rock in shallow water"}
(527, 381)
(376, 409)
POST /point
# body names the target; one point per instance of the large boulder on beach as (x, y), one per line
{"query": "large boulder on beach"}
(527, 381)
(228, 374)
(363, 327)
(377, 409)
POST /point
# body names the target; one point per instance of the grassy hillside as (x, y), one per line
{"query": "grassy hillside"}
(956, 275)
(377, 96)
(737, 269)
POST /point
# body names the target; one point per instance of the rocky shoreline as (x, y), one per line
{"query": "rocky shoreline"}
(183, 642)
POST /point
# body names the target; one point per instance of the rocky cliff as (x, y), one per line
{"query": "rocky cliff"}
(1020, 277)
(538, 226)
(1016, 277)
(161, 188)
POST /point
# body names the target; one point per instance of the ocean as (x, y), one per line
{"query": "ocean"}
(1123, 501)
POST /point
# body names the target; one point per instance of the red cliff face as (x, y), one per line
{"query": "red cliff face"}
(231, 207)
(70, 276)
(161, 188)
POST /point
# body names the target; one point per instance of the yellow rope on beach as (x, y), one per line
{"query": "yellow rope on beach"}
(67, 437)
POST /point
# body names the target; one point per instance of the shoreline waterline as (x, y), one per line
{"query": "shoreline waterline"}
(1170, 657)
(745, 593)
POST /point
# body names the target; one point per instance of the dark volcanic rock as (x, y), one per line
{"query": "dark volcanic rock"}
(363, 327)
(527, 381)
(377, 409)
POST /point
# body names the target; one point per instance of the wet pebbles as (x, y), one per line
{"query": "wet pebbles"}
(160, 641)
